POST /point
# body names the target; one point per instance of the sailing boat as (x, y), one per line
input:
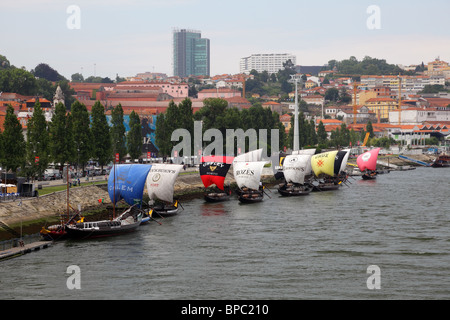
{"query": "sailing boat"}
(125, 182)
(367, 164)
(328, 167)
(248, 179)
(295, 169)
(160, 185)
(340, 164)
(213, 170)
(58, 231)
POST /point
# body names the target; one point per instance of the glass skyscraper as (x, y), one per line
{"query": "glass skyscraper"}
(191, 53)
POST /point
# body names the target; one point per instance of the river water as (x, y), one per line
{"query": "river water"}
(318, 246)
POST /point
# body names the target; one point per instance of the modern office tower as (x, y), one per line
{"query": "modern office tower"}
(191, 53)
(271, 62)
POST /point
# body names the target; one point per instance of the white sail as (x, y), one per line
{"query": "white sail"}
(248, 174)
(161, 180)
(295, 167)
(304, 151)
(254, 155)
(345, 160)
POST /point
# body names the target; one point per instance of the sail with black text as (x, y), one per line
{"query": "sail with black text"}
(127, 182)
(295, 169)
(328, 168)
(160, 188)
(248, 179)
(213, 171)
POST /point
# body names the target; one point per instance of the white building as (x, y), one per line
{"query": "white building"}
(271, 62)
(409, 84)
(415, 116)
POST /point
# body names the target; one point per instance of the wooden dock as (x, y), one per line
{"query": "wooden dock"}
(26, 248)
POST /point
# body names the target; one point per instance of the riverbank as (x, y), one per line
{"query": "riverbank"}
(30, 214)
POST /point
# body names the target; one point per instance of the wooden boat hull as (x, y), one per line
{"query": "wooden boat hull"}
(54, 235)
(216, 197)
(125, 223)
(166, 211)
(90, 233)
(326, 187)
(294, 193)
(368, 177)
(251, 197)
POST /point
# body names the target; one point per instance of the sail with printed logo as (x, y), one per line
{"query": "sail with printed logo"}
(129, 183)
(367, 163)
(126, 182)
(295, 169)
(160, 188)
(248, 179)
(326, 168)
(323, 163)
(213, 171)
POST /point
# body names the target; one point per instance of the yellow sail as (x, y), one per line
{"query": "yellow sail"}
(324, 163)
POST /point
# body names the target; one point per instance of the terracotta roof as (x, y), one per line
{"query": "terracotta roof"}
(40, 100)
(381, 100)
(329, 121)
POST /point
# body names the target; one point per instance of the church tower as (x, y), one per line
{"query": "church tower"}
(59, 97)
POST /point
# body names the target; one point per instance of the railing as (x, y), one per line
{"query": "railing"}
(16, 242)
(14, 196)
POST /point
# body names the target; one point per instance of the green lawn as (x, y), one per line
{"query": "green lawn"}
(47, 190)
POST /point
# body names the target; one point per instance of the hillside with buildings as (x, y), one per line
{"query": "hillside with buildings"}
(410, 107)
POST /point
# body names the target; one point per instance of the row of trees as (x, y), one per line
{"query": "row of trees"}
(368, 65)
(41, 81)
(215, 114)
(73, 137)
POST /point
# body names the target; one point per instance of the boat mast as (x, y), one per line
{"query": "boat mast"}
(114, 188)
(67, 181)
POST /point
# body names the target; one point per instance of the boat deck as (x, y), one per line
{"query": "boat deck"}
(26, 248)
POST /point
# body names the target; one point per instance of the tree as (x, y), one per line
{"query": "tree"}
(61, 136)
(322, 135)
(77, 77)
(344, 97)
(162, 138)
(101, 145)
(17, 80)
(37, 142)
(118, 137)
(210, 113)
(43, 70)
(13, 142)
(369, 128)
(134, 136)
(332, 94)
(4, 63)
(82, 135)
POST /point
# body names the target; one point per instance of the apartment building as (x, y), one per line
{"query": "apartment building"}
(270, 62)
(409, 84)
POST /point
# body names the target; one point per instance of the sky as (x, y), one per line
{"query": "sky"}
(125, 37)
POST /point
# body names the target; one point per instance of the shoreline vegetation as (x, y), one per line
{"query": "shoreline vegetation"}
(34, 213)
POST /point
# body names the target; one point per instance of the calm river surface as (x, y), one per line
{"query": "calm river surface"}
(314, 247)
